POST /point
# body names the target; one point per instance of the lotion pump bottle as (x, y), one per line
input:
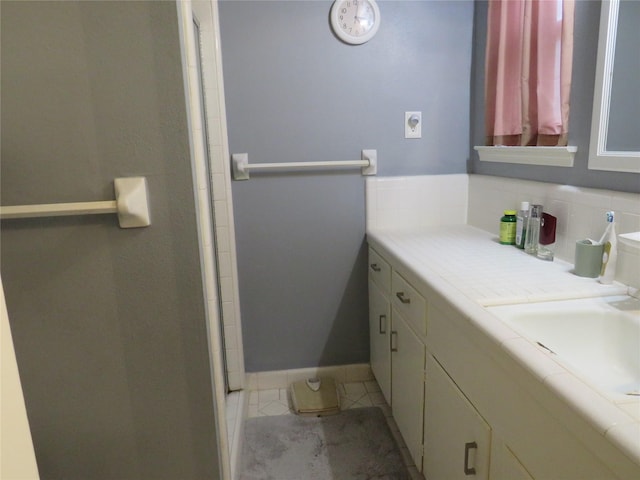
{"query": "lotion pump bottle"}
(610, 241)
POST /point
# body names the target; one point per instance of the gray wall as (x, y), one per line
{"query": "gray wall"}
(586, 26)
(294, 92)
(108, 324)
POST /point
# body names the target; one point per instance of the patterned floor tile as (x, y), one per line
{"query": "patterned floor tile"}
(352, 395)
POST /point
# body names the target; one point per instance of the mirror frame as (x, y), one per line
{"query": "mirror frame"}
(599, 157)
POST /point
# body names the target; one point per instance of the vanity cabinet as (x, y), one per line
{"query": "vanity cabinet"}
(461, 402)
(379, 271)
(457, 440)
(407, 378)
(409, 303)
(409, 321)
(380, 322)
(397, 324)
(379, 336)
(504, 464)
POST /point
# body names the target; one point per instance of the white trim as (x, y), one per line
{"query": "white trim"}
(547, 156)
(214, 240)
(348, 37)
(599, 157)
(235, 379)
(219, 168)
(276, 379)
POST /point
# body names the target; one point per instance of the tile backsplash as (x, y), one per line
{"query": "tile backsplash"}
(479, 200)
(417, 201)
(580, 212)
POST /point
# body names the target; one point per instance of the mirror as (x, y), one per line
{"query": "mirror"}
(615, 140)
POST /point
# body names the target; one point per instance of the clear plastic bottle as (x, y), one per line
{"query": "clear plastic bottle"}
(522, 220)
(533, 230)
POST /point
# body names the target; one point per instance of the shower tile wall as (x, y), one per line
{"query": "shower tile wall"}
(222, 203)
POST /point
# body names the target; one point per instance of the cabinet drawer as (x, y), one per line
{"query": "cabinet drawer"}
(409, 303)
(379, 271)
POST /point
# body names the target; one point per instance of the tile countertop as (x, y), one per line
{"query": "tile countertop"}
(470, 269)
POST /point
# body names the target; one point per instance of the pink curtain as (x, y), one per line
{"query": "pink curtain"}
(528, 71)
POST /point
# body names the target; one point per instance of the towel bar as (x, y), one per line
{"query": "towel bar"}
(241, 165)
(131, 205)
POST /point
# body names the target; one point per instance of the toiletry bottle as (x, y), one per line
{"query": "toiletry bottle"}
(547, 237)
(522, 218)
(610, 241)
(533, 230)
(508, 228)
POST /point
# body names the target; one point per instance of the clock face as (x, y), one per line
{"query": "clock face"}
(355, 21)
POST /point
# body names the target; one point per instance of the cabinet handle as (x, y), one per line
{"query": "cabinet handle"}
(375, 267)
(402, 298)
(381, 330)
(392, 343)
(467, 447)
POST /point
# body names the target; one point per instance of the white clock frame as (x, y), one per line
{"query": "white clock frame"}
(343, 35)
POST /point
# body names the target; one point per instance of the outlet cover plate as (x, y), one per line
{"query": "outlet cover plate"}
(412, 131)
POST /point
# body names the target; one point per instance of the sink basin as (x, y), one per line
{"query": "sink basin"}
(596, 338)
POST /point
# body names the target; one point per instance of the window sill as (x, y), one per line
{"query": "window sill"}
(547, 156)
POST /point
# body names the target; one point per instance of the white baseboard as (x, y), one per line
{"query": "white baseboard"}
(359, 372)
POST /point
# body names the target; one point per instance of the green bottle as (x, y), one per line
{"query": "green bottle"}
(508, 228)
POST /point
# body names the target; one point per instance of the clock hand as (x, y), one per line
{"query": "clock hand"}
(357, 17)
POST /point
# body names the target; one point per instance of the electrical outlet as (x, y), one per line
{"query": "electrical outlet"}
(412, 124)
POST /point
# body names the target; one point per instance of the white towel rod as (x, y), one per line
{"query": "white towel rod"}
(241, 165)
(131, 205)
(59, 209)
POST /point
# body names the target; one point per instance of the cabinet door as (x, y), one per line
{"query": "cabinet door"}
(504, 464)
(379, 333)
(407, 384)
(457, 440)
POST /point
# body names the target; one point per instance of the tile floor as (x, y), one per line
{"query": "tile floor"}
(352, 395)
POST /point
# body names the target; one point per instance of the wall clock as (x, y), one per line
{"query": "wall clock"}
(355, 21)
